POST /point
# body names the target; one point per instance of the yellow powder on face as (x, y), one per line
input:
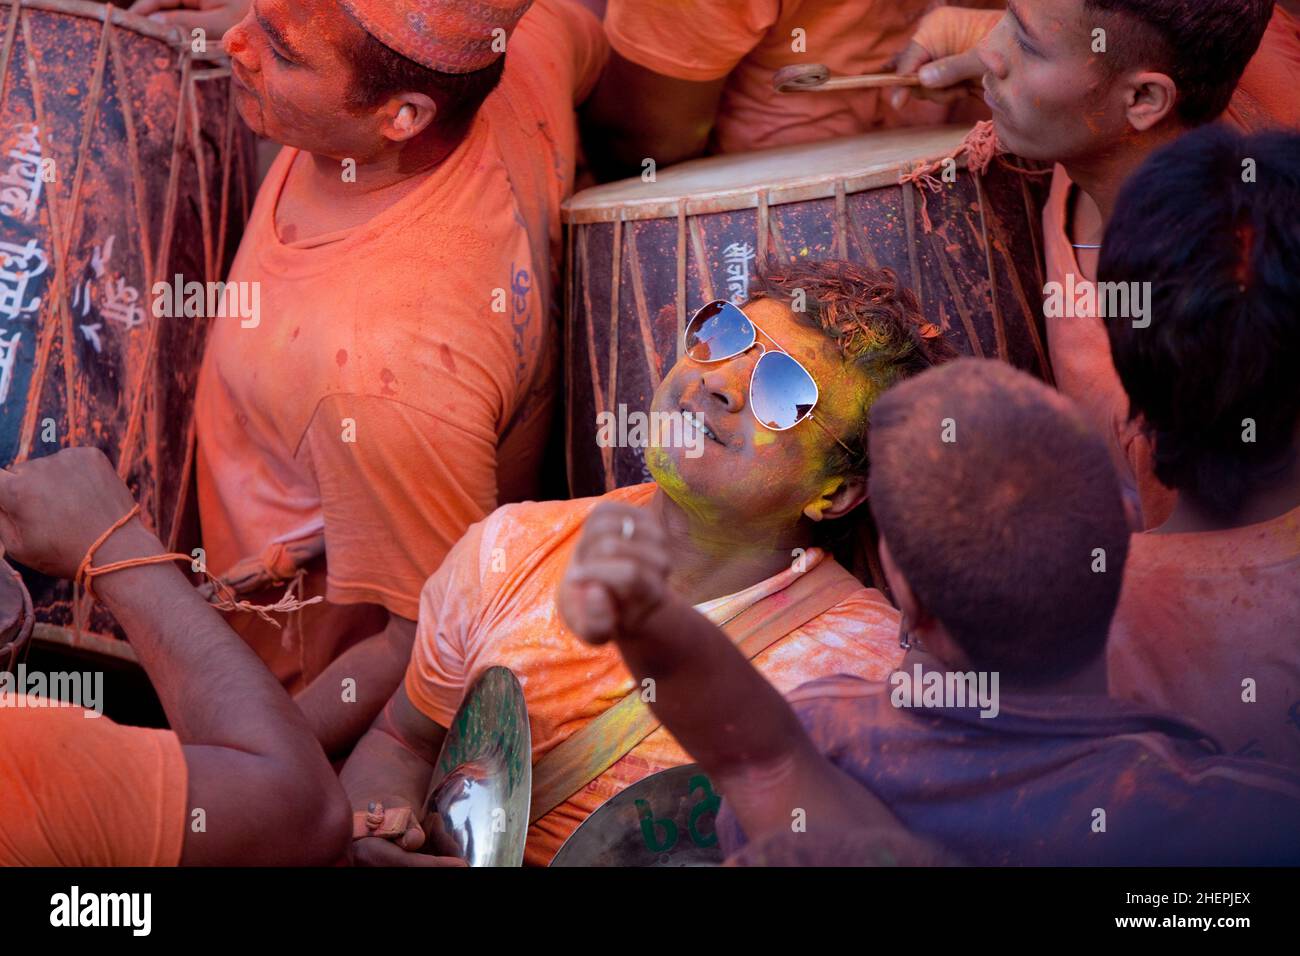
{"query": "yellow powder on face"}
(664, 471)
(763, 436)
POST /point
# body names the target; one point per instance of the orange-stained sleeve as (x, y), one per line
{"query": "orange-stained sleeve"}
(398, 486)
(79, 791)
(698, 40)
(569, 22)
(443, 656)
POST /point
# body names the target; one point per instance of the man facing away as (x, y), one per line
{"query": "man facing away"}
(1209, 624)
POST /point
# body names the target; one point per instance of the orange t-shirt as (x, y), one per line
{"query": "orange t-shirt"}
(1268, 95)
(1081, 361)
(493, 603)
(404, 370)
(703, 40)
(88, 792)
(1202, 613)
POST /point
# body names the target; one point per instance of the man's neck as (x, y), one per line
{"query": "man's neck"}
(1191, 517)
(713, 558)
(1103, 176)
(327, 196)
(1091, 681)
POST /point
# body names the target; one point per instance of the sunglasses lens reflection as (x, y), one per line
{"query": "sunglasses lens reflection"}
(718, 331)
(783, 392)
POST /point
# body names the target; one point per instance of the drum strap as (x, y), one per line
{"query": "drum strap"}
(606, 740)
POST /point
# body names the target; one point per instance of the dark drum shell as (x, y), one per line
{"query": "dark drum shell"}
(645, 254)
(123, 164)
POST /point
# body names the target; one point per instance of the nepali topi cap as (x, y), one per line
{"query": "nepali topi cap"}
(450, 36)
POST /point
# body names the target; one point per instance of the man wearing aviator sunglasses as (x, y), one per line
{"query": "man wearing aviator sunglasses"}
(782, 393)
(741, 518)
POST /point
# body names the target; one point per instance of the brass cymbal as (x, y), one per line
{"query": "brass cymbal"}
(483, 779)
(667, 819)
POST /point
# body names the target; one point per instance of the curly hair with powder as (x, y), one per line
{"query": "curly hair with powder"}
(874, 320)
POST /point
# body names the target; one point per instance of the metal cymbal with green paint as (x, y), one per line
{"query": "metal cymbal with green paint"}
(667, 819)
(483, 779)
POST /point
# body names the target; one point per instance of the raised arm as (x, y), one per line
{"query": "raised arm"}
(267, 793)
(721, 710)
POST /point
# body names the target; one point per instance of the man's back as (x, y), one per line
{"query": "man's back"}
(1209, 626)
(1055, 780)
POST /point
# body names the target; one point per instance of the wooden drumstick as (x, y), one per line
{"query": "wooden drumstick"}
(815, 78)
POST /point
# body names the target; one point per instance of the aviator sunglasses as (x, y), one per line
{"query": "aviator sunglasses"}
(782, 393)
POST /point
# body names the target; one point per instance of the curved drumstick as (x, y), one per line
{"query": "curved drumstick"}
(816, 78)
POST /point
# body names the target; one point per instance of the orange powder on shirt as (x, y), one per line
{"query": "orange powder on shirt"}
(1268, 95)
(704, 40)
(1201, 614)
(493, 603)
(80, 791)
(384, 400)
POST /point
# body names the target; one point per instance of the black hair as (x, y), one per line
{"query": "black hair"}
(1211, 223)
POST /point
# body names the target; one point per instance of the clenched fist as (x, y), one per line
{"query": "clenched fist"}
(943, 54)
(52, 509)
(618, 576)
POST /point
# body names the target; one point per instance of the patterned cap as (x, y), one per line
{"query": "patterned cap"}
(451, 36)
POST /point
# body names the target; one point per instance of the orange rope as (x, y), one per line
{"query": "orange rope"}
(980, 147)
(224, 599)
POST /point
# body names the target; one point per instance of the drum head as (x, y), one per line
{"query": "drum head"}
(483, 779)
(667, 819)
(783, 175)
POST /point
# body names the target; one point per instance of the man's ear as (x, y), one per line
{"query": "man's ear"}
(923, 626)
(1150, 98)
(838, 497)
(407, 116)
(904, 599)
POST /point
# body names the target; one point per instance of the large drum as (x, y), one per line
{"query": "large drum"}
(122, 165)
(644, 255)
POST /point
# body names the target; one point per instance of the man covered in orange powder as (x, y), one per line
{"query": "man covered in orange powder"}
(996, 739)
(1209, 624)
(1098, 86)
(772, 405)
(398, 382)
(689, 75)
(239, 779)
